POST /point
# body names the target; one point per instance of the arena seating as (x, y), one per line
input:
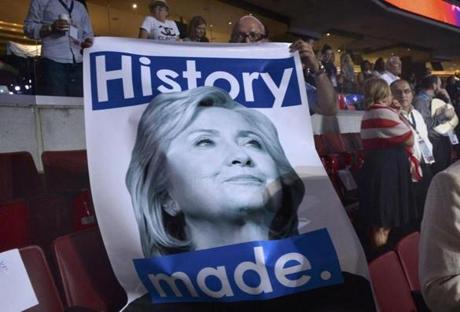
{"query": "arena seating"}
(42, 280)
(86, 273)
(19, 177)
(390, 285)
(65, 171)
(14, 224)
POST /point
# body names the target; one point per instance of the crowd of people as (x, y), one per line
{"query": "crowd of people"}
(409, 129)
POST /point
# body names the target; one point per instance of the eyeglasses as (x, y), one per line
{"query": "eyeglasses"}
(252, 36)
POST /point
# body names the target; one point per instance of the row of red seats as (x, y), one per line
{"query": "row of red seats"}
(84, 273)
(21, 226)
(64, 171)
(342, 156)
(395, 277)
(34, 208)
(88, 280)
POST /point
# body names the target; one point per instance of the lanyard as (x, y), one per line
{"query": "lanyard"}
(412, 122)
(69, 9)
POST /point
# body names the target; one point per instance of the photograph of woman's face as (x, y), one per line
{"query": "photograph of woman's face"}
(219, 168)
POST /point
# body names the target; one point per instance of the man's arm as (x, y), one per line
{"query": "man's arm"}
(326, 96)
(440, 242)
(87, 31)
(33, 23)
(34, 27)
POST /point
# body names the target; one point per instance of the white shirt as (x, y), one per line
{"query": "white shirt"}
(416, 120)
(389, 77)
(160, 31)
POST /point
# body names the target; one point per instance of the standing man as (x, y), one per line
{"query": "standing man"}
(423, 149)
(64, 28)
(322, 99)
(392, 69)
(431, 87)
(440, 242)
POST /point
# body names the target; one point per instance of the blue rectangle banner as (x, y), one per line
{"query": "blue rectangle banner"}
(257, 270)
(122, 79)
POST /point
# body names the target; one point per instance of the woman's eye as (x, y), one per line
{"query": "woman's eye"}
(254, 143)
(204, 142)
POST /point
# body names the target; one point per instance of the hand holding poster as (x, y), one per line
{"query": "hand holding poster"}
(206, 181)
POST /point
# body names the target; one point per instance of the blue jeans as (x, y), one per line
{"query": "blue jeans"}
(60, 79)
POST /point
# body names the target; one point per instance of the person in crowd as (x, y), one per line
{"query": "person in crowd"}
(431, 88)
(348, 73)
(157, 26)
(327, 58)
(365, 74)
(322, 98)
(412, 80)
(392, 69)
(453, 89)
(64, 28)
(386, 195)
(197, 30)
(423, 149)
(379, 67)
(241, 188)
(440, 242)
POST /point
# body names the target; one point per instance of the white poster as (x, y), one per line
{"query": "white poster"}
(16, 292)
(206, 183)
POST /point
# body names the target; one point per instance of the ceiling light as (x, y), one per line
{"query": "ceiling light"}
(229, 22)
(339, 51)
(134, 6)
(328, 34)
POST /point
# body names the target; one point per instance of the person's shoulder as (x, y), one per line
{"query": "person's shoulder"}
(149, 18)
(171, 23)
(40, 2)
(417, 114)
(79, 6)
(446, 182)
(453, 171)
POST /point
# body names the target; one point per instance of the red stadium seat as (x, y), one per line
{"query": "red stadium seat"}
(320, 145)
(86, 273)
(334, 143)
(83, 211)
(41, 279)
(18, 176)
(14, 225)
(390, 285)
(407, 250)
(66, 171)
(352, 142)
(50, 217)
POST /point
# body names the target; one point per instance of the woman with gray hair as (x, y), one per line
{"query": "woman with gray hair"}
(206, 172)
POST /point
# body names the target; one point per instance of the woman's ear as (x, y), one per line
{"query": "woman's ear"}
(170, 206)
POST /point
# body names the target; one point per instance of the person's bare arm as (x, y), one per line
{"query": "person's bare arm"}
(327, 97)
(143, 34)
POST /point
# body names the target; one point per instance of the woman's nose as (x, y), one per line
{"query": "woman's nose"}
(238, 156)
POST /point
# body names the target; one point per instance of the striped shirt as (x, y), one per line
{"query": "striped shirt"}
(382, 127)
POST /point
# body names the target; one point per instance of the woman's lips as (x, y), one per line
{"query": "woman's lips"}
(245, 179)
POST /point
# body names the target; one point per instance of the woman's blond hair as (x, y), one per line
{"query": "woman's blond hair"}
(375, 91)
